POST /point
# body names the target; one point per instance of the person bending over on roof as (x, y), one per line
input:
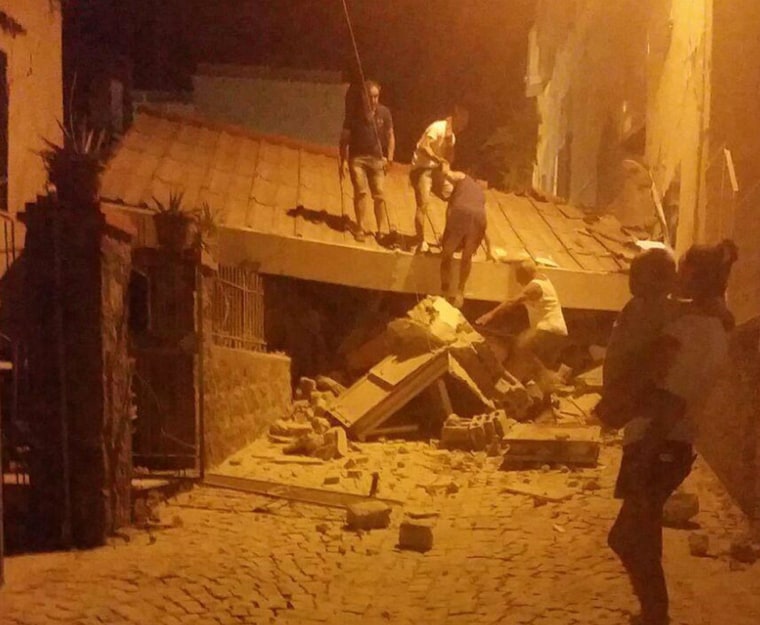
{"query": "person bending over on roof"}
(538, 347)
(367, 144)
(434, 151)
(465, 231)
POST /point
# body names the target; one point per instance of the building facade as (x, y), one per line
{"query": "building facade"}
(646, 113)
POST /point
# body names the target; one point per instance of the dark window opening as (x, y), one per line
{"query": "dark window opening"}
(139, 302)
(3, 132)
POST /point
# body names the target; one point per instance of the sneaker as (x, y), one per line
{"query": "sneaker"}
(422, 248)
(360, 236)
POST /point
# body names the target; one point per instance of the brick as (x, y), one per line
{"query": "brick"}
(416, 535)
(368, 515)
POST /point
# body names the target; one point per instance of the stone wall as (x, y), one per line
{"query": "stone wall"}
(730, 424)
(79, 397)
(244, 392)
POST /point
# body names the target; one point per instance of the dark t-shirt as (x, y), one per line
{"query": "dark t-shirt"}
(363, 141)
(468, 198)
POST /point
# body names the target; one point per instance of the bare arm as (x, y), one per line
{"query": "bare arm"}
(391, 145)
(529, 293)
(345, 138)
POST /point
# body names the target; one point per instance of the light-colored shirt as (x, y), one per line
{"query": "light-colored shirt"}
(440, 139)
(545, 313)
(702, 351)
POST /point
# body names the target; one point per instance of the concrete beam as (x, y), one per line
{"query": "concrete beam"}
(402, 272)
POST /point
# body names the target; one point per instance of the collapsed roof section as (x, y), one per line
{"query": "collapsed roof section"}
(286, 209)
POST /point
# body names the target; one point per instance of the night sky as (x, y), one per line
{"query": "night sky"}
(426, 54)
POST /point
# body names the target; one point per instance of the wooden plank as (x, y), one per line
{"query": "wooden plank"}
(279, 490)
(539, 239)
(499, 228)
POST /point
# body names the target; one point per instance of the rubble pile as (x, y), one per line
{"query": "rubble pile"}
(307, 430)
(433, 355)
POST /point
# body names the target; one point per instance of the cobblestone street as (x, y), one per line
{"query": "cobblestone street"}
(229, 557)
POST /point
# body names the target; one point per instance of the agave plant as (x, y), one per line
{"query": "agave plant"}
(174, 222)
(208, 220)
(75, 166)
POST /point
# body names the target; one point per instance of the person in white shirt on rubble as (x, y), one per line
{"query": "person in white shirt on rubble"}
(537, 348)
(432, 157)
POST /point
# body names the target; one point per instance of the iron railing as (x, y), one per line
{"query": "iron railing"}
(238, 308)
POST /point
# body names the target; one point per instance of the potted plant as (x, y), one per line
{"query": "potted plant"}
(75, 166)
(208, 220)
(174, 224)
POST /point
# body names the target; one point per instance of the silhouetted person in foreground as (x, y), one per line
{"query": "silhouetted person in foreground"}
(657, 443)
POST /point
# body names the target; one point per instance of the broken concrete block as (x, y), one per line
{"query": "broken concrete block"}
(305, 445)
(744, 550)
(368, 515)
(530, 444)
(679, 509)
(488, 427)
(455, 433)
(326, 452)
(501, 422)
(320, 425)
(307, 386)
(477, 434)
(326, 384)
(281, 427)
(699, 544)
(416, 534)
(406, 338)
(336, 437)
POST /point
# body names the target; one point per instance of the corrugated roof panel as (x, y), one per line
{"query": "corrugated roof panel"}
(540, 241)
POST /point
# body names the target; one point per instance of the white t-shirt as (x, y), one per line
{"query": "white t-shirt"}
(546, 313)
(441, 139)
(702, 352)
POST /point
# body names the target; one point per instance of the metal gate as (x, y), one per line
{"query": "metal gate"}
(165, 300)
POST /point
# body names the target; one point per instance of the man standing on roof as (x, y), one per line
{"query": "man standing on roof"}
(538, 347)
(367, 144)
(434, 152)
(465, 230)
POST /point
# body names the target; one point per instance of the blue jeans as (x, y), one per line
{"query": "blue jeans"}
(424, 182)
(368, 178)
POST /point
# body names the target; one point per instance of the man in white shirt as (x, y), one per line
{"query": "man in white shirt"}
(433, 154)
(538, 347)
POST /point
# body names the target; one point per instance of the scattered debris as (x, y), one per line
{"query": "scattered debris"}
(699, 544)
(304, 494)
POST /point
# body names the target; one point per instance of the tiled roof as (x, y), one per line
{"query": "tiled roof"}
(259, 181)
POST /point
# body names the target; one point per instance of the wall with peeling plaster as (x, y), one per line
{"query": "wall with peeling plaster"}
(735, 125)
(35, 93)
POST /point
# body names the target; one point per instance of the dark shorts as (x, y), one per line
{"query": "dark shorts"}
(464, 232)
(658, 472)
